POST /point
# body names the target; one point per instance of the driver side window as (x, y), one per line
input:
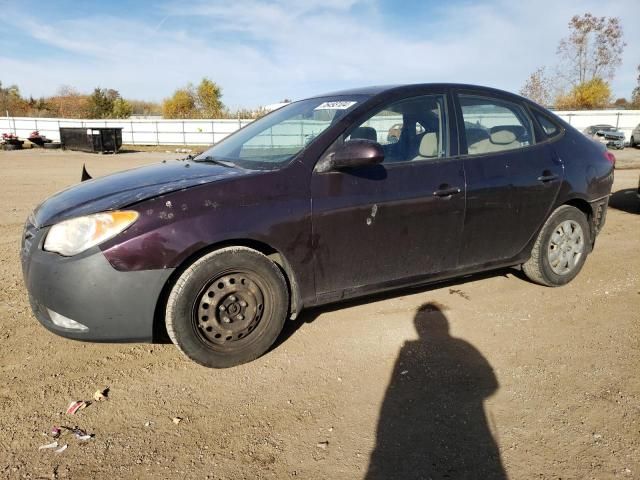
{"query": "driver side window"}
(409, 130)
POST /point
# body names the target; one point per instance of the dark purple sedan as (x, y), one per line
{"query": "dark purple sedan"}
(313, 204)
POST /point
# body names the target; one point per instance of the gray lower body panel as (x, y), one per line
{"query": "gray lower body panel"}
(115, 306)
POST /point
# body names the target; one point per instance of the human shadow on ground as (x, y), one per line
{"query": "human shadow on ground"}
(432, 424)
(626, 200)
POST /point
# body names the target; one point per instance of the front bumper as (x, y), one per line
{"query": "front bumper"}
(613, 142)
(115, 306)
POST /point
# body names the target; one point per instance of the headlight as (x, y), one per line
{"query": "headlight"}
(78, 234)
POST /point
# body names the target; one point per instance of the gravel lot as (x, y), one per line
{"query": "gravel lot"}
(490, 373)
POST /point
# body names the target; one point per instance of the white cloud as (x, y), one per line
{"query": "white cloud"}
(293, 49)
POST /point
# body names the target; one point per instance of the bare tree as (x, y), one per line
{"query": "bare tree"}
(538, 87)
(593, 48)
(635, 95)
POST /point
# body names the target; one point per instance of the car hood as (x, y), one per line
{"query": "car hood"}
(128, 187)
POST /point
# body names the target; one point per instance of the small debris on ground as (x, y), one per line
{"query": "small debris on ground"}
(323, 445)
(49, 445)
(459, 292)
(176, 420)
(101, 395)
(62, 448)
(73, 407)
(81, 434)
(404, 372)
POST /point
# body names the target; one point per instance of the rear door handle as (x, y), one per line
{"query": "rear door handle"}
(446, 191)
(544, 178)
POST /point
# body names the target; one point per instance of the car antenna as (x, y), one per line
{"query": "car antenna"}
(85, 174)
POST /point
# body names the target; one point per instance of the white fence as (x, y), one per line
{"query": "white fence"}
(206, 132)
(134, 132)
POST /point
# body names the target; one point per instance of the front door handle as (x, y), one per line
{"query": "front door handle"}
(547, 176)
(446, 191)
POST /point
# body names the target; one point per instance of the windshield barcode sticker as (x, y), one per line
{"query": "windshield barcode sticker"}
(334, 105)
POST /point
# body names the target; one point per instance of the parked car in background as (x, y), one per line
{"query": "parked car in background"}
(311, 204)
(635, 136)
(606, 134)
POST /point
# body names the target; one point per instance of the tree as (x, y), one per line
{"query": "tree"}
(11, 101)
(181, 105)
(635, 95)
(69, 103)
(538, 87)
(141, 107)
(592, 50)
(203, 101)
(208, 99)
(592, 94)
(121, 108)
(621, 103)
(101, 102)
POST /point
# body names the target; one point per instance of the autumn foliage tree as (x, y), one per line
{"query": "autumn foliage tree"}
(589, 57)
(589, 95)
(202, 101)
(69, 103)
(11, 101)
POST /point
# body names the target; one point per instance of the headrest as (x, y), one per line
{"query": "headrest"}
(506, 134)
(365, 133)
(429, 145)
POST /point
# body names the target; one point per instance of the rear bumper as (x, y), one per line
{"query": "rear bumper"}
(115, 306)
(599, 217)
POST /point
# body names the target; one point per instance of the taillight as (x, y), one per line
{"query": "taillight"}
(610, 156)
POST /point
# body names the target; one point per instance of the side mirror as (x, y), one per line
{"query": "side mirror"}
(353, 153)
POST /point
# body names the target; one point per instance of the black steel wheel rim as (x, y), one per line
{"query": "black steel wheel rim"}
(229, 308)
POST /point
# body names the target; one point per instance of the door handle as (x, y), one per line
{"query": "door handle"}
(547, 177)
(446, 191)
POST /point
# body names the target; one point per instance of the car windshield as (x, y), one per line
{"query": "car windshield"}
(273, 140)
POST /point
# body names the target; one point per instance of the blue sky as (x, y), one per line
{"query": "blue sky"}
(261, 52)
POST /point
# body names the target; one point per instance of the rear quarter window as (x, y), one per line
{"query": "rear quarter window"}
(549, 127)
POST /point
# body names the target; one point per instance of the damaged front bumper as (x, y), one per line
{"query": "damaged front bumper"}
(83, 297)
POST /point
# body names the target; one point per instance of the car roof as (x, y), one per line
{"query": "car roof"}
(397, 88)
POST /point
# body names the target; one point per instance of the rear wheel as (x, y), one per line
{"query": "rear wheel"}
(561, 248)
(227, 308)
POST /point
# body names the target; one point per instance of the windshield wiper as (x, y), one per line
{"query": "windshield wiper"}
(210, 159)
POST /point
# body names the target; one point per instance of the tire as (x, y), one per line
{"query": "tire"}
(561, 248)
(227, 308)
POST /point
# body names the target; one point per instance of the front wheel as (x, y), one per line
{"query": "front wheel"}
(561, 248)
(227, 308)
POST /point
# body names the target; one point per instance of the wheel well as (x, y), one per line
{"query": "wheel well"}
(583, 206)
(159, 328)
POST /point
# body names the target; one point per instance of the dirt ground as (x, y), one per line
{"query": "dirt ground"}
(489, 372)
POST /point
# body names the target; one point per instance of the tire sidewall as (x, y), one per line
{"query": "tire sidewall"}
(186, 294)
(561, 215)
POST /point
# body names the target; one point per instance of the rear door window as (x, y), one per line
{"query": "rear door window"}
(494, 125)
